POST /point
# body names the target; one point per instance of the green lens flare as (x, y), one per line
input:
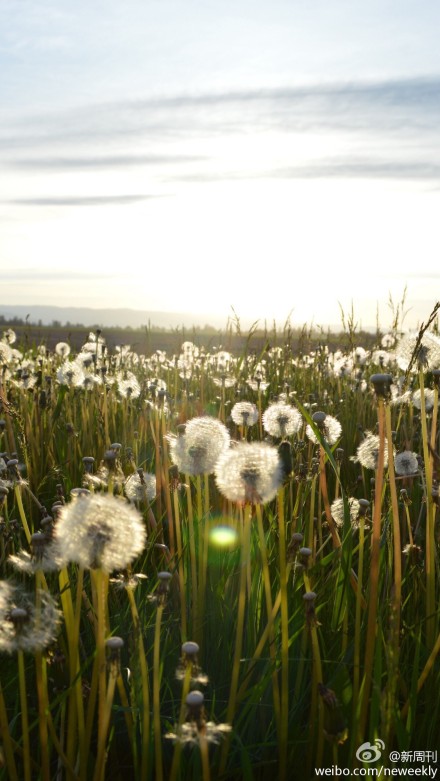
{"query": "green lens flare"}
(223, 536)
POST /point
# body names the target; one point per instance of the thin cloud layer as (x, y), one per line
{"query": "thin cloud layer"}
(97, 200)
(389, 130)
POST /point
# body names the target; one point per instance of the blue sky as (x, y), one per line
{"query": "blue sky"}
(277, 157)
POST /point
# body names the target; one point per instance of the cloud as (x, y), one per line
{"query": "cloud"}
(340, 168)
(100, 162)
(22, 275)
(406, 107)
(387, 130)
(95, 200)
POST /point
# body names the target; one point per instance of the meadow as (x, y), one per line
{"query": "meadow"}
(219, 563)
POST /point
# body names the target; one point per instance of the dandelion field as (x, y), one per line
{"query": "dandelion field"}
(216, 565)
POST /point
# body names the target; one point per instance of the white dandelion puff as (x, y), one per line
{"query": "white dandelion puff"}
(367, 453)
(197, 451)
(139, 487)
(428, 396)
(129, 388)
(426, 351)
(71, 374)
(406, 463)
(249, 472)
(337, 511)
(62, 349)
(281, 420)
(100, 531)
(244, 413)
(329, 426)
(24, 625)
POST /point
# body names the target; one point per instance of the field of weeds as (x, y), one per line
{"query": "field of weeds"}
(217, 565)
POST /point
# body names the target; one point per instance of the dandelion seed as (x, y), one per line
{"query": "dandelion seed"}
(387, 341)
(281, 420)
(426, 351)
(62, 349)
(5, 353)
(100, 531)
(257, 383)
(140, 486)
(45, 556)
(338, 513)
(329, 426)
(9, 336)
(406, 463)
(244, 413)
(249, 472)
(23, 625)
(70, 374)
(428, 396)
(189, 658)
(198, 449)
(367, 453)
(195, 726)
(129, 388)
(413, 552)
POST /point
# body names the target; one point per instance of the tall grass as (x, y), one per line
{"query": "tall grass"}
(304, 653)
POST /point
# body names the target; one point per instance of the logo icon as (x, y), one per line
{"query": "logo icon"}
(370, 752)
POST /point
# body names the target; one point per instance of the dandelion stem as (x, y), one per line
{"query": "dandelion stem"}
(178, 746)
(24, 717)
(145, 685)
(6, 738)
(430, 519)
(192, 554)
(374, 577)
(397, 596)
(284, 705)
(317, 678)
(156, 695)
(269, 606)
(203, 743)
(182, 585)
(357, 620)
(245, 552)
(100, 759)
(22, 513)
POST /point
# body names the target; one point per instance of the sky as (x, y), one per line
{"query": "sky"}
(281, 158)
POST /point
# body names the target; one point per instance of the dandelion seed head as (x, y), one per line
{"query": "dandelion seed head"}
(244, 413)
(45, 556)
(23, 625)
(129, 388)
(388, 340)
(137, 489)
(330, 427)
(281, 420)
(62, 349)
(427, 351)
(71, 374)
(198, 449)
(100, 531)
(250, 472)
(406, 463)
(337, 511)
(428, 395)
(367, 453)
(9, 336)
(5, 353)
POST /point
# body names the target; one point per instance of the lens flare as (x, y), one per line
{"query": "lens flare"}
(223, 536)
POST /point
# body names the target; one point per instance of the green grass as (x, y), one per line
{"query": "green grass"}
(51, 428)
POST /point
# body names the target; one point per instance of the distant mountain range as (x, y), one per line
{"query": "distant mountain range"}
(108, 318)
